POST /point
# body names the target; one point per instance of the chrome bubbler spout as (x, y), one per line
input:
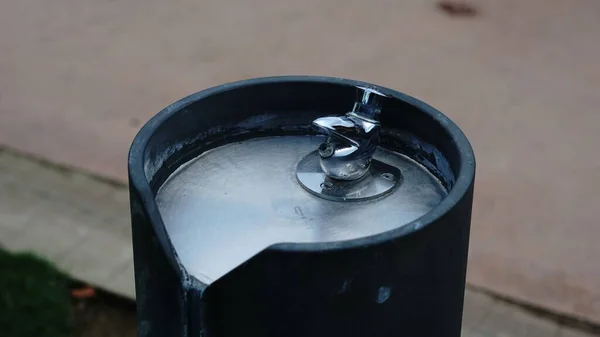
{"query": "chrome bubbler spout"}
(352, 138)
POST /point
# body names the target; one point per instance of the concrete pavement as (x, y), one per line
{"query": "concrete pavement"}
(77, 77)
(82, 224)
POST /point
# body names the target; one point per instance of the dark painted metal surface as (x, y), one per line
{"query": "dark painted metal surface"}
(405, 282)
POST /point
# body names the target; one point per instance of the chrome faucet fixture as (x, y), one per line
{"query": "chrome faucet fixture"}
(352, 139)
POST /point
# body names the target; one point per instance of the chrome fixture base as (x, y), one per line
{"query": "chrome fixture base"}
(379, 180)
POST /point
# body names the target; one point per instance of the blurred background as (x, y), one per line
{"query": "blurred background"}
(78, 78)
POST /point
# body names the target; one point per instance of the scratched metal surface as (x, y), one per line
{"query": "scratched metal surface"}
(232, 202)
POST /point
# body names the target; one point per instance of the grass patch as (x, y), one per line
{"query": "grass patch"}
(34, 298)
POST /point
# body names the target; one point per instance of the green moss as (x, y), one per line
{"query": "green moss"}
(34, 298)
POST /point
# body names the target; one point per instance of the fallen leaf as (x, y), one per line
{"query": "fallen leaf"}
(457, 8)
(83, 293)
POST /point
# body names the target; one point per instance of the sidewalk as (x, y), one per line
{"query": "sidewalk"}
(521, 78)
(82, 224)
(78, 222)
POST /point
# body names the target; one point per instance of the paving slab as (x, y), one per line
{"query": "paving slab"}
(53, 218)
(78, 77)
(78, 222)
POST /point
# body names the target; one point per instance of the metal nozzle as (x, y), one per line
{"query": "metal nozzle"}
(352, 139)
